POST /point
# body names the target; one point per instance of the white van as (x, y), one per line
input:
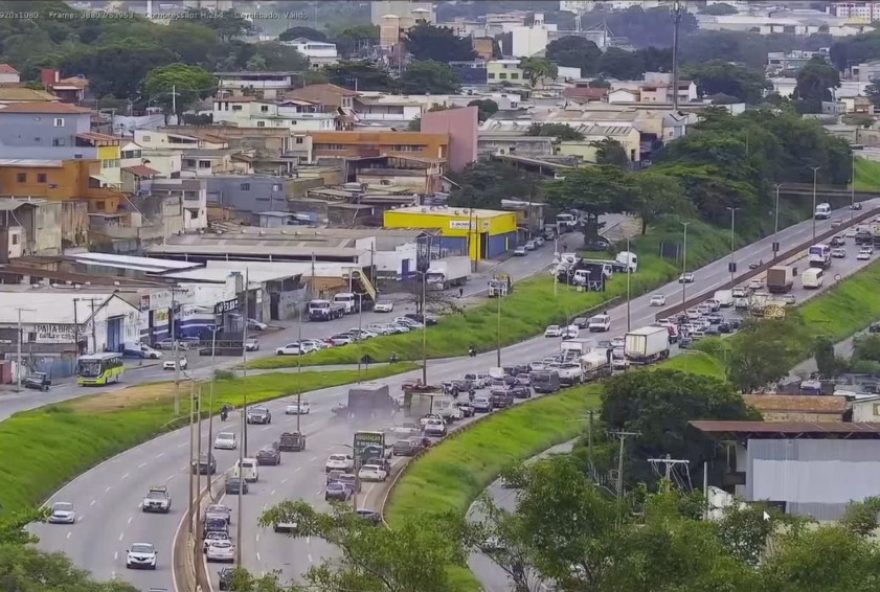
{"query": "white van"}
(812, 278)
(823, 211)
(348, 300)
(247, 470)
(600, 323)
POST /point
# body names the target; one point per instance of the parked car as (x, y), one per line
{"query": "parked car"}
(865, 253)
(37, 380)
(482, 404)
(435, 427)
(838, 241)
(423, 319)
(371, 516)
(140, 350)
(341, 339)
(372, 472)
(597, 244)
(407, 446)
(221, 550)
(168, 344)
(581, 322)
(838, 253)
(530, 245)
(337, 491)
(291, 349)
(339, 462)
(519, 252)
(255, 325)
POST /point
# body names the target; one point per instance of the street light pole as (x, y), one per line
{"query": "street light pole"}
(815, 170)
(684, 263)
(424, 328)
(776, 216)
(498, 331)
(628, 284)
(18, 358)
(732, 238)
(852, 189)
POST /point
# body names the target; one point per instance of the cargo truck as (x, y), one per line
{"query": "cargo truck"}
(595, 365)
(724, 298)
(646, 345)
(576, 348)
(366, 400)
(780, 279)
(449, 272)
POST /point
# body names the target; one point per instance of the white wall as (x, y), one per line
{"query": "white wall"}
(388, 262)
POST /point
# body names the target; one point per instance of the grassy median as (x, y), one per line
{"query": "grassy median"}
(531, 307)
(44, 448)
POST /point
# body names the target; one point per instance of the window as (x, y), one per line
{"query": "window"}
(204, 164)
(502, 75)
(146, 138)
(99, 205)
(276, 187)
(236, 107)
(261, 124)
(491, 75)
(78, 156)
(245, 186)
(41, 177)
(38, 139)
(21, 177)
(514, 75)
(264, 108)
(189, 162)
(59, 122)
(14, 238)
(59, 142)
(299, 140)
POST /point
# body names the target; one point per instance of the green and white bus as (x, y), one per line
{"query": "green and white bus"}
(99, 369)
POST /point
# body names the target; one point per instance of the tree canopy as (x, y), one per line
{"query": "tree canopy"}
(440, 44)
(362, 75)
(720, 77)
(297, 32)
(643, 28)
(485, 108)
(484, 183)
(574, 52)
(176, 87)
(814, 83)
(428, 77)
(537, 70)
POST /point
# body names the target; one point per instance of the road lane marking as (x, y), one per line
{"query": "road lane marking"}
(115, 555)
(121, 535)
(160, 455)
(320, 491)
(130, 518)
(182, 444)
(108, 489)
(272, 493)
(142, 465)
(93, 502)
(258, 537)
(169, 478)
(69, 534)
(310, 558)
(313, 459)
(283, 481)
(297, 469)
(112, 575)
(125, 476)
(308, 540)
(259, 559)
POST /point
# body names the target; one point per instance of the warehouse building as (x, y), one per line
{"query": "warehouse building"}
(811, 469)
(485, 234)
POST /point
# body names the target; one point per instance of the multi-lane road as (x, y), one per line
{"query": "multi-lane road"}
(108, 495)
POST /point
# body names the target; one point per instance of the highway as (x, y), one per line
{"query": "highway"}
(108, 495)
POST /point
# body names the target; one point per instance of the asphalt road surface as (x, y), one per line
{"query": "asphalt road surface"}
(107, 497)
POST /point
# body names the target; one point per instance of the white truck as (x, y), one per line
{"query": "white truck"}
(725, 298)
(449, 272)
(576, 348)
(646, 345)
(600, 323)
(570, 373)
(629, 259)
(595, 365)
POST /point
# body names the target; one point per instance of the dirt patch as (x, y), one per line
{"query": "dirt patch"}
(128, 398)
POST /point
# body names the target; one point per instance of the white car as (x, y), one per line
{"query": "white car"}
(372, 473)
(658, 300)
(170, 365)
(686, 278)
(252, 344)
(302, 408)
(850, 232)
(339, 462)
(141, 556)
(553, 331)
(226, 441)
(291, 349)
(62, 513)
(519, 252)
(408, 322)
(617, 342)
(571, 332)
(435, 427)
(220, 550)
(255, 325)
(212, 537)
(838, 253)
(311, 345)
(756, 284)
(865, 253)
(383, 306)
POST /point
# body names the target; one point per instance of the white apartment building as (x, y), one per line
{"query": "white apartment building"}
(293, 114)
(319, 53)
(528, 41)
(856, 12)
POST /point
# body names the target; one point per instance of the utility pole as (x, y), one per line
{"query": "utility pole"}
(498, 331)
(192, 500)
(676, 17)
(815, 170)
(244, 336)
(684, 263)
(669, 464)
(590, 438)
(198, 457)
(852, 189)
(628, 276)
(732, 238)
(240, 526)
(621, 436)
(174, 99)
(94, 332)
(424, 328)
(776, 216)
(360, 324)
(176, 349)
(19, 367)
(210, 441)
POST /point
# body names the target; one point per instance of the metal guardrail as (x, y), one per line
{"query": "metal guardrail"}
(761, 269)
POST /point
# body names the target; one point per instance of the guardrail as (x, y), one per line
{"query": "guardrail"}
(762, 268)
(190, 573)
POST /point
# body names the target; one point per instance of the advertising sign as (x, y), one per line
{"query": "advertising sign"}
(423, 253)
(226, 306)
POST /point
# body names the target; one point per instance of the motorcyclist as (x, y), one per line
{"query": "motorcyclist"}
(393, 358)
(472, 351)
(224, 412)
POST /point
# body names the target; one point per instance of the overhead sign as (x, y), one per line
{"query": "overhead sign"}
(226, 306)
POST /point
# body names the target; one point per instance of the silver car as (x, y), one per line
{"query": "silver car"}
(62, 513)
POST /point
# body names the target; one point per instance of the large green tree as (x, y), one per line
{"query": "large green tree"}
(719, 77)
(412, 557)
(360, 75)
(760, 355)
(440, 44)
(594, 190)
(621, 64)
(655, 195)
(485, 183)
(574, 52)
(117, 70)
(537, 70)
(486, 108)
(25, 569)
(659, 405)
(351, 40)
(610, 151)
(177, 87)
(428, 77)
(814, 84)
(299, 31)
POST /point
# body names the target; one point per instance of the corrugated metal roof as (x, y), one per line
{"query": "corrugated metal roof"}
(813, 429)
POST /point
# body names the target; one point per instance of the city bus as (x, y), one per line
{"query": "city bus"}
(99, 369)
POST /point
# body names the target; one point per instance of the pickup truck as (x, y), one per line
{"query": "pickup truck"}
(157, 500)
(570, 373)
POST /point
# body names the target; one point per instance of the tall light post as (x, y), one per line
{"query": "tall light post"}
(360, 296)
(684, 263)
(732, 238)
(852, 188)
(776, 215)
(18, 370)
(628, 283)
(815, 170)
(498, 331)
(677, 6)
(424, 328)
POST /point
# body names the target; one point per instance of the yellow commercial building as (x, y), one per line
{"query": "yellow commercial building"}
(489, 233)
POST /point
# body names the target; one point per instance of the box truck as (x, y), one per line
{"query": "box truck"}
(780, 279)
(646, 345)
(449, 272)
(724, 298)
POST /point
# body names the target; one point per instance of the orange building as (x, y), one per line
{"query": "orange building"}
(58, 180)
(361, 144)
